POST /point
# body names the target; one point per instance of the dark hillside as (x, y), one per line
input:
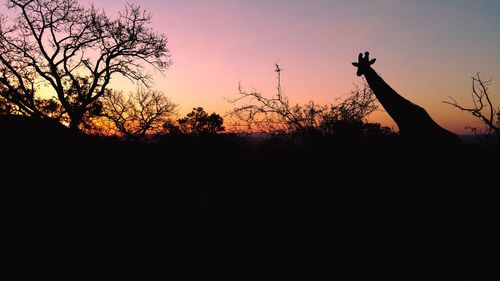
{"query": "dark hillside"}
(222, 207)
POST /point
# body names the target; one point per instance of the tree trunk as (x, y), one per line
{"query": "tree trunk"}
(76, 119)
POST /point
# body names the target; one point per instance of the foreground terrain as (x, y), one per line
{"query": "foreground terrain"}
(82, 208)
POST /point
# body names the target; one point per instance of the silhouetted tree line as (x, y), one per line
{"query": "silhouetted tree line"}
(53, 44)
(73, 52)
(146, 112)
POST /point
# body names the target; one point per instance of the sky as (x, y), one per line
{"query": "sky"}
(427, 50)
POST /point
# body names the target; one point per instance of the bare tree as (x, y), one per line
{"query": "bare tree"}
(75, 51)
(254, 111)
(272, 114)
(141, 112)
(483, 109)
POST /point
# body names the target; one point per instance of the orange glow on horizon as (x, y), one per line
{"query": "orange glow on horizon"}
(425, 51)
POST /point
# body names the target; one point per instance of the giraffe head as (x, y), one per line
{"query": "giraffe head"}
(363, 63)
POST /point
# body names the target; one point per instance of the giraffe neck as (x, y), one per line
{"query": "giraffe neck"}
(395, 105)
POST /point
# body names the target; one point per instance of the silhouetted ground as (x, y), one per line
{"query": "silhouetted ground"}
(81, 208)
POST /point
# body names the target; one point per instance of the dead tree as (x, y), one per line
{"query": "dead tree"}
(483, 109)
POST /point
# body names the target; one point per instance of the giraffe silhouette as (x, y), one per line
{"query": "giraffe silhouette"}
(414, 123)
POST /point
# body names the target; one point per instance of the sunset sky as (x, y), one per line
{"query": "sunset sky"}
(426, 49)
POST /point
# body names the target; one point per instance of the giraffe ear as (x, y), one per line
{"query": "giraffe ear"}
(372, 61)
(355, 64)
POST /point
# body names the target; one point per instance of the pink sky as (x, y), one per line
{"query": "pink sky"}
(426, 50)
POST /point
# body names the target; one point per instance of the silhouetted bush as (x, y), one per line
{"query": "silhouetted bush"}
(198, 122)
(346, 117)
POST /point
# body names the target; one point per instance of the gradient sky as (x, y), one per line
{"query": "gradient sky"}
(426, 49)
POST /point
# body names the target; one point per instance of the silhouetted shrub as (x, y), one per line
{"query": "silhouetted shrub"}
(346, 117)
(198, 122)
